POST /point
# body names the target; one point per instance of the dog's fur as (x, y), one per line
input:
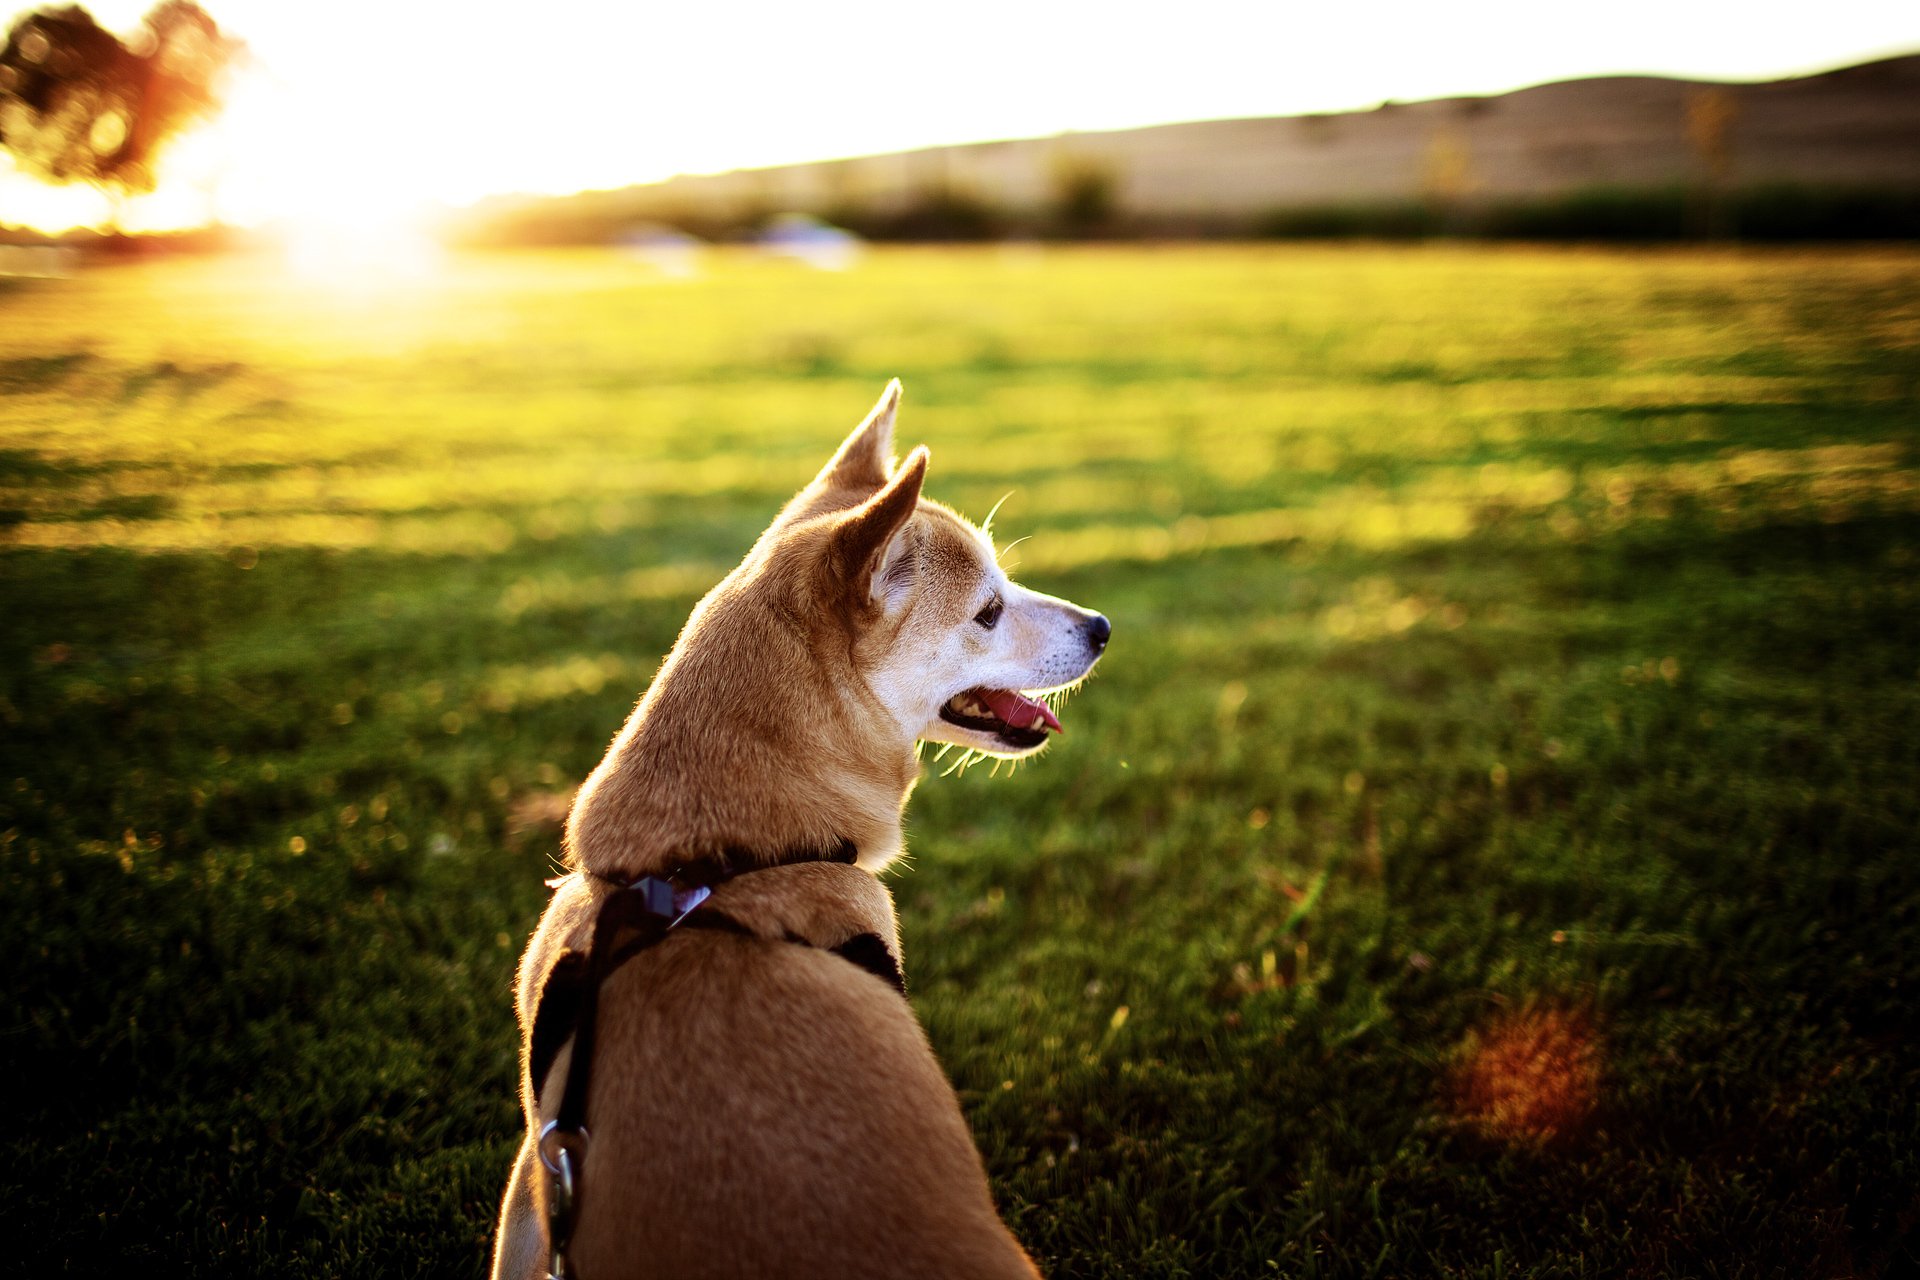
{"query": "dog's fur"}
(760, 1108)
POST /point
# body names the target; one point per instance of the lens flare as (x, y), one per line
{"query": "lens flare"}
(1534, 1074)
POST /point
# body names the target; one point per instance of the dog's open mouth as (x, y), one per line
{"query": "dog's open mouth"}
(1014, 718)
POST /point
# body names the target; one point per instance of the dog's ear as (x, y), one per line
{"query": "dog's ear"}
(865, 458)
(869, 545)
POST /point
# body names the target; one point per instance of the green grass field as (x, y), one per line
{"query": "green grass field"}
(1489, 847)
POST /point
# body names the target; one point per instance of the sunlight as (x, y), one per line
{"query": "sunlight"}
(337, 190)
(351, 256)
(343, 201)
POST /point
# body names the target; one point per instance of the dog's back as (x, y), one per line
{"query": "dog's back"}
(777, 1110)
(798, 1126)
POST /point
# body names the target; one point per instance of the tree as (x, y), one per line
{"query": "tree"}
(78, 105)
(1084, 195)
(1711, 113)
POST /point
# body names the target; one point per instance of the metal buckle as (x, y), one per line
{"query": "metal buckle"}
(563, 1152)
(664, 899)
(657, 894)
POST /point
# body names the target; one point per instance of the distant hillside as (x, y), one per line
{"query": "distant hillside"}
(1852, 134)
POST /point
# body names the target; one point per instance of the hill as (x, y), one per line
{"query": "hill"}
(1853, 130)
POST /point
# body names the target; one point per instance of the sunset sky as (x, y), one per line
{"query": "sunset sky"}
(362, 111)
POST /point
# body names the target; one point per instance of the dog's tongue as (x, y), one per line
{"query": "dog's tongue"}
(1020, 712)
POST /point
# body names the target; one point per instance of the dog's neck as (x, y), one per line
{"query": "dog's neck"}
(733, 750)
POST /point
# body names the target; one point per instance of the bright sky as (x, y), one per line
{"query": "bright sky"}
(363, 110)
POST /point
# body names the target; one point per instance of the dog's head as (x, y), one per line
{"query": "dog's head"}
(951, 648)
(865, 619)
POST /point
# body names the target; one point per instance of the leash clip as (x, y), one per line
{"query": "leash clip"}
(563, 1152)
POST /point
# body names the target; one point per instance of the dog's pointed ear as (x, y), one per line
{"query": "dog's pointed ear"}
(869, 547)
(865, 458)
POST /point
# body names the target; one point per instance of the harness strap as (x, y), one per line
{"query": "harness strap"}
(869, 951)
(559, 1012)
(626, 925)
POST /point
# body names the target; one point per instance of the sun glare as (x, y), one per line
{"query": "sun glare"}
(334, 190)
(338, 200)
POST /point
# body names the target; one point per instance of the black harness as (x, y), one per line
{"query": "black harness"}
(639, 915)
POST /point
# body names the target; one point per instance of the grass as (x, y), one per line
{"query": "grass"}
(1489, 847)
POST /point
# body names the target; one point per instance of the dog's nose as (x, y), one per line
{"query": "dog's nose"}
(1098, 629)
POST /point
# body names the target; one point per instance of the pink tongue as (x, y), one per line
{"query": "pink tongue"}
(1021, 713)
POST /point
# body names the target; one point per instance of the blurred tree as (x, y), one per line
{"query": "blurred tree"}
(1710, 117)
(1447, 177)
(78, 105)
(1084, 196)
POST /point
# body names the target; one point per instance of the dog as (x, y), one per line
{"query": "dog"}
(757, 1104)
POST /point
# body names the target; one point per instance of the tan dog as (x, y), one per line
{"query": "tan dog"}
(757, 1107)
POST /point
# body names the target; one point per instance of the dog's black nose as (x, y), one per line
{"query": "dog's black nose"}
(1098, 629)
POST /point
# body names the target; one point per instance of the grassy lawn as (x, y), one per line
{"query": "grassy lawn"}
(1491, 846)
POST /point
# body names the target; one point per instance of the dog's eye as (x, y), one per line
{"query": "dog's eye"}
(990, 615)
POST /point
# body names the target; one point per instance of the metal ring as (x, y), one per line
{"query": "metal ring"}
(557, 1145)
